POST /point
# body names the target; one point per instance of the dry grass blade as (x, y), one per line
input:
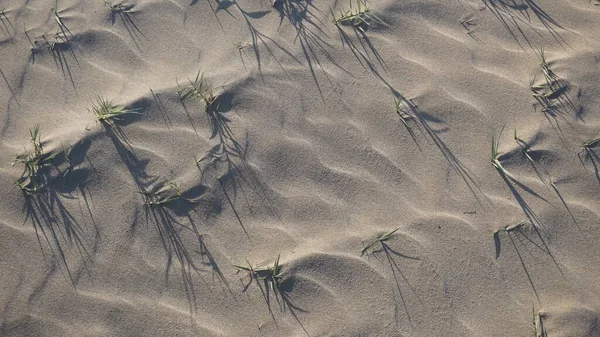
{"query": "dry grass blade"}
(511, 228)
(380, 239)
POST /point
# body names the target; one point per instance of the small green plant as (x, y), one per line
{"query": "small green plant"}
(380, 239)
(199, 88)
(358, 16)
(270, 274)
(496, 155)
(107, 112)
(31, 182)
(549, 74)
(549, 92)
(164, 194)
(544, 90)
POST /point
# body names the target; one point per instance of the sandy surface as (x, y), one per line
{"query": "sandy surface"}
(301, 155)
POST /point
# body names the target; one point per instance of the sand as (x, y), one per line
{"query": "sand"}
(301, 156)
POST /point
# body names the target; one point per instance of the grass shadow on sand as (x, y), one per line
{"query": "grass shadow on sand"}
(12, 93)
(274, 285)
(300, 14)
(590, 155)
(167, 213)
(125, 12)
(519, 238)
(510, 235)
(362, 48)
(412, 112)
(169, 219)
(6, 26)
(536, 224)
(258, 38)
(226, 160)
(391, 255)
(517, 16)
(60, 46)
(56, 226)
(286, 289)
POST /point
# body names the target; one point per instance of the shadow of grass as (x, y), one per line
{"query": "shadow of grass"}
(55, 225)
(517, 16)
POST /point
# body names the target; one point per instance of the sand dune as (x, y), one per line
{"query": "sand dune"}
(312, 141)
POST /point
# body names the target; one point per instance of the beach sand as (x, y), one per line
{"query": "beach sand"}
(306, 143)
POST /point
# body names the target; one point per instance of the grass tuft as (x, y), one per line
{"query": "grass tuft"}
(380, 239)
(496, 155)
(200, 89)
(357, 16)
(31, 181)
(107, 112)
(269, 274)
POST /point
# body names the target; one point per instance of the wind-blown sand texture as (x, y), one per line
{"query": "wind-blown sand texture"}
(320, 139)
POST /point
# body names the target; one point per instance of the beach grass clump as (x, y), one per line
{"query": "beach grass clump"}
(357, 16)
(108, 113)
(550, 93)
(269, 274)
(198, 89)
(31, 181)
(380, 239)
(496, 155)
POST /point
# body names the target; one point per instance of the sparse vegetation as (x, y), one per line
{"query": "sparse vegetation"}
(551, 93)
(358, 16)
(199, 88)
(31, 181)
(380, 239)
(270, 274)
(107, 112)
(496, 155)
